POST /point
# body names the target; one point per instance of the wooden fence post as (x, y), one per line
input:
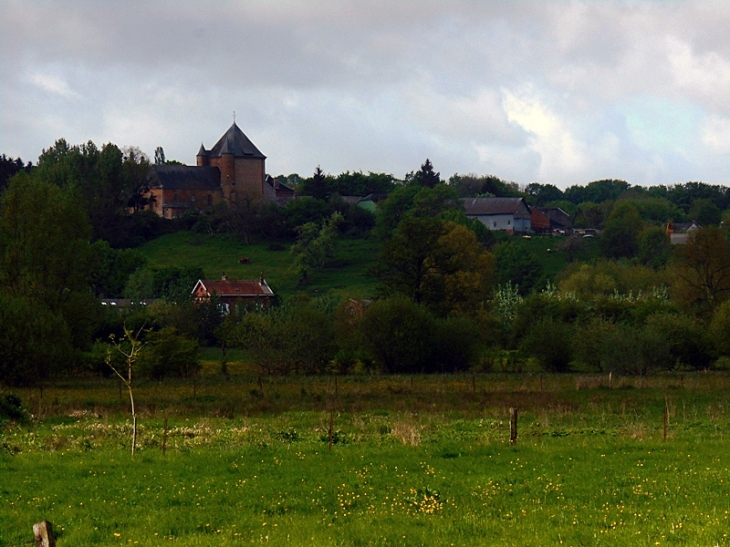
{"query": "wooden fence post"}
(332, 425)
(512, 425)
(666, 418)
(43, 533)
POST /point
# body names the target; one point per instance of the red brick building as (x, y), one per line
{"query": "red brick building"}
(233, 171)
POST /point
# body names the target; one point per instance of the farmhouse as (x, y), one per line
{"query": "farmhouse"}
(243, 294)
(509, 214)
(551, 220)
(233, 171)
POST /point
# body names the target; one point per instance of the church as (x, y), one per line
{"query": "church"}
(232, 171)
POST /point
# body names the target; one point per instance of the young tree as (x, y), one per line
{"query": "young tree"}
(129, 347)
(315, 246)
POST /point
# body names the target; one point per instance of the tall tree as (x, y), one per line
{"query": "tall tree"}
(425, 176)
(702, 271)
(436, 263)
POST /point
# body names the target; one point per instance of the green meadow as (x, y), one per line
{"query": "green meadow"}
(348, 276)
(421, 460)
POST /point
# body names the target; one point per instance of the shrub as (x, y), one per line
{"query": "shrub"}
(395, 331)
(549, 341)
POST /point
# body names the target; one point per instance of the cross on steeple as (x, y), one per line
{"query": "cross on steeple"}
(234, 116)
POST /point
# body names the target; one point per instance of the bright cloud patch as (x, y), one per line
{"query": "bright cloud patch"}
(560, 153)
(53, 84)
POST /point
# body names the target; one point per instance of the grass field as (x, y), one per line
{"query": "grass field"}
(348, 277)
(419, 460)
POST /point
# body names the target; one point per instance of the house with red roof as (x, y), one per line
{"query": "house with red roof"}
(242, 294)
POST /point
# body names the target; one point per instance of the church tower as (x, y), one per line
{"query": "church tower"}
(242, 165)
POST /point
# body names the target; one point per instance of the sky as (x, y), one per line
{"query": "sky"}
(558, 92)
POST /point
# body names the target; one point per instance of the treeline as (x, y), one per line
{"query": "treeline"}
(452, 294)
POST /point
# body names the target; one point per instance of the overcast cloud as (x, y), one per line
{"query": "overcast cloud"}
(561, 92)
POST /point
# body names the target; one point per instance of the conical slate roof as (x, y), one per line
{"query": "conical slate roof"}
(236, 143)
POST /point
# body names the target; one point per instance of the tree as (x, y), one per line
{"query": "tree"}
(315, 246)
(425, 177)
(620, 238)
(34, 342)
(571, 246)
(436, 263)
(543, 193)
(129, 347)
(169, 353)
(701, 271)
(395, 330)
(9, 167)
(517, 265)
(317, 185)
(655, 247)
(705, 212)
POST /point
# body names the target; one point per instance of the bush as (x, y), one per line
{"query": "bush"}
(168, 353)
(458, 344)
(395, 331)
(550, 342)
(11, 408)
(687, 340)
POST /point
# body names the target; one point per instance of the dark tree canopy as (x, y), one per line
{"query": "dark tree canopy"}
(425, 176)
(10, 167)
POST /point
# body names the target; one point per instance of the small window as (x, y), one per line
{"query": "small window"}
(495, 224)
(508, 222)
(175, 197)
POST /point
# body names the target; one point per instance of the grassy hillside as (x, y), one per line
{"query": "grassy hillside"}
(348, 277)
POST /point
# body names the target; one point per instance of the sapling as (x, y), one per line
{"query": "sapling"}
(130, 350)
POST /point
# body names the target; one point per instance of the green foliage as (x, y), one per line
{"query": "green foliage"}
(655, 247)
(719, 328)
(110, 269)
(425, 177)
(472, 185)
(167, 353)
(439, 264)
(106, 182)
(35, 343)
(542, 194)
(620, 237)
(701, 272)
(686, 339)
(11, 409)
(597, 191)
(549, 341)
(705, 212)
(609, 346)
(298, 337)
(315, 246)
(458, 344)
(517, 265)
(395, 330)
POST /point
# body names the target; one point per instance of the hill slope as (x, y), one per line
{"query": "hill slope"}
(348, 277)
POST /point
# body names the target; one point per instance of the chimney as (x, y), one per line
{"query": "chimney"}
(261, 278)
(224, 277)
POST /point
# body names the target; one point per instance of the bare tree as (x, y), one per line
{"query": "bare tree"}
(129, 346)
